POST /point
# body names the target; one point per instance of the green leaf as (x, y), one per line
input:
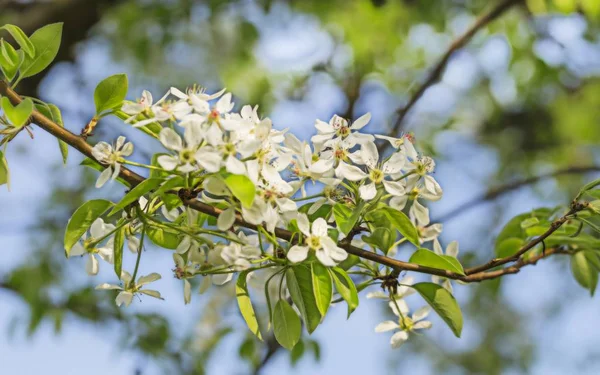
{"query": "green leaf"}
(82, 219)
(444, 304)
(509, 247)
(381, 238)
(46, 42)
(584, 271)
(21, 39)
(346, 288)
(10, 60)
(4, 171)
(242, 188)
(17, 115)
(345, 217)
(591, 8)
(297, 353)
(119, 242)
(286, 325)
(171, 184)
(162, 237)
(322, 287)
(428, 258)
(110, 93)
(53, 113)
(299, 282)
(529, 222)
(566, 6)
(57, 118)
(323, 211)
(245, 305)
(93, 164)
(402, 224)
(134, 194)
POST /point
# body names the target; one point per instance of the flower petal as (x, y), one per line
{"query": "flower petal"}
(297, 253)
(386, 326)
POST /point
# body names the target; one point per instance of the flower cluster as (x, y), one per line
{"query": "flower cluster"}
(260, 180)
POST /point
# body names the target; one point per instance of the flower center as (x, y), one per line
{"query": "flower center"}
(87, 245)
(406, 323)
(213, 115)
(340, 154)
(344, 131)
(424, 165)
(414, 194)
(376, 176)
(113, 157)
(229, 149)
(187, 156)
(313, 242)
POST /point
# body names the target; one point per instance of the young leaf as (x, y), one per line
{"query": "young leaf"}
(21, 39)
(245, 305)
(57, 118)
(381, 238)
(162, 237)
(110, 93)
(428, 258)
(591, 8)
(286, 325)
(443, 303)
(46, 42)
(10, 60)
(509, 246)
(4, 172)
(584, 271)
(134, 194)
(53, 113)
(346, 217)
(242, 188)
(322, 288)
(82, 219)
(346, 288)
(299, 282)
(170, 184)
(119, 242)
(297, 353)
(403, 225)
(17, 115)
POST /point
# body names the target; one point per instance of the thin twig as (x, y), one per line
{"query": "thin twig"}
(507, 188)
(439, 68)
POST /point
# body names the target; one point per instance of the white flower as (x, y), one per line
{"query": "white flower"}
(129, 288)
(145, 106)
(189, 155)
(338, 128)
(317, 240)
(417, 211)
(107, 155)
(238, 255)
(404, 290)
(98, 230)
(451, 250)
(378, 174)
(405, 323)
(403, 144)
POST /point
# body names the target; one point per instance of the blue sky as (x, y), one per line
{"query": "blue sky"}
(565, 338)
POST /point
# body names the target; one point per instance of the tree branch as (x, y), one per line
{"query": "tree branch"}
(439, 68)
(473, 274)
(507, 188)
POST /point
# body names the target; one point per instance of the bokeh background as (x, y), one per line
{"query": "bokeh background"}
(521, 99)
